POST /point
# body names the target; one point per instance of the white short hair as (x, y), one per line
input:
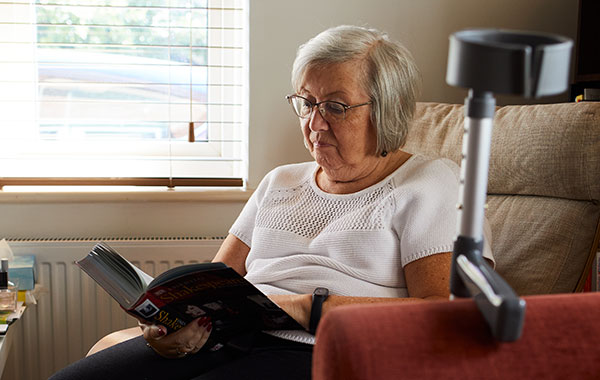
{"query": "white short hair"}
(391, 77)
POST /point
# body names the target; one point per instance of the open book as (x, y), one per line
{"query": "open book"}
(182, 294)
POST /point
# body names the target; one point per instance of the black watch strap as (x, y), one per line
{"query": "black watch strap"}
(319, 296)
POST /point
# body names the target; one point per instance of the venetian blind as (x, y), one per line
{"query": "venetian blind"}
(123, 92)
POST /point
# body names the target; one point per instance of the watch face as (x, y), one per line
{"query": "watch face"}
(321, 292)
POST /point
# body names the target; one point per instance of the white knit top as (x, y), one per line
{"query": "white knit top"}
(301, 237)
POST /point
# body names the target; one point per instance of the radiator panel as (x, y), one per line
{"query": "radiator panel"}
(72, 311)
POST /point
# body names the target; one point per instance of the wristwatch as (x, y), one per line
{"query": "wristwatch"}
(319, 296)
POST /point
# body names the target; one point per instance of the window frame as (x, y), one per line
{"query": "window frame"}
(169, 181)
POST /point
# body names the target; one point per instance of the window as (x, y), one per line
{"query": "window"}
(123, 92)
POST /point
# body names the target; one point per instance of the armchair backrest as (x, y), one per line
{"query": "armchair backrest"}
(543, 187)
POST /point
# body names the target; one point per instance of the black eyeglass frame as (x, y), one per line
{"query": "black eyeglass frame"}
(290, 99)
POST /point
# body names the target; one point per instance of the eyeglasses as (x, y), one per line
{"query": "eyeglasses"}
(330, 110)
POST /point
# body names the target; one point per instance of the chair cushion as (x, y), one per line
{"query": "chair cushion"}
(545, 251)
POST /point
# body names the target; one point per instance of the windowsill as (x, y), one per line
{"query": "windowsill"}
(66, 194)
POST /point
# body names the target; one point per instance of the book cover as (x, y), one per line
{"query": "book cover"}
(182, 294)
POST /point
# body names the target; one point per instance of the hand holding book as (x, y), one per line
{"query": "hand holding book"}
(188, 340)
(185, 293)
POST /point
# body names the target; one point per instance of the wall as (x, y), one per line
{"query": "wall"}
(276, 29)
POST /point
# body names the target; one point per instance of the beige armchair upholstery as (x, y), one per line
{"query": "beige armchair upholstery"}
(544, 187)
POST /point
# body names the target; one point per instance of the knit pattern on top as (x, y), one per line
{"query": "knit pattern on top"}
(303, 212)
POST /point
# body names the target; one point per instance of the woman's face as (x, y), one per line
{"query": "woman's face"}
(343, 149)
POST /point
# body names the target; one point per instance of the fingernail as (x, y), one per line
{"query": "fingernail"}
(202, 321)
(161, 332)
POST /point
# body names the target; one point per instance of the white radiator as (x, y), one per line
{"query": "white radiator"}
(72, 311)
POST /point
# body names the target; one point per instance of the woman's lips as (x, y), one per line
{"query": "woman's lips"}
(320, 144)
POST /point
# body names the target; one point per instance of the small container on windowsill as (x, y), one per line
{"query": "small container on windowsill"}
(8, 291)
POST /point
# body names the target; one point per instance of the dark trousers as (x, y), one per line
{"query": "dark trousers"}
(257, 356)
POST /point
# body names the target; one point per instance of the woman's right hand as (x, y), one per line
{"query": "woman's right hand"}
(187, 340)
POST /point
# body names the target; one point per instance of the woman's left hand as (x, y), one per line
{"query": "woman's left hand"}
(296, 305)
(188, 340)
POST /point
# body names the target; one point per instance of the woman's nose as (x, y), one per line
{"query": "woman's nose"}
(317, 122)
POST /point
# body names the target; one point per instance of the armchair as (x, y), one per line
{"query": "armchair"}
(544, 212)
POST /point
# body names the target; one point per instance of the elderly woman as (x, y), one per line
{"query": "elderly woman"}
(365, 222)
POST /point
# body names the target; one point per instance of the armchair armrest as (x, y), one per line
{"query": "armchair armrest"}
(450, 340)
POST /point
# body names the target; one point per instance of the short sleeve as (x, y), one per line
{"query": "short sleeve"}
(280, 178)
(425, 220)
(243, 226)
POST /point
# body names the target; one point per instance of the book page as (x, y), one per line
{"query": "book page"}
(115, 274)
(145, 277)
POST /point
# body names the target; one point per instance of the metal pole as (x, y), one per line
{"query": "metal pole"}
(479, 119)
